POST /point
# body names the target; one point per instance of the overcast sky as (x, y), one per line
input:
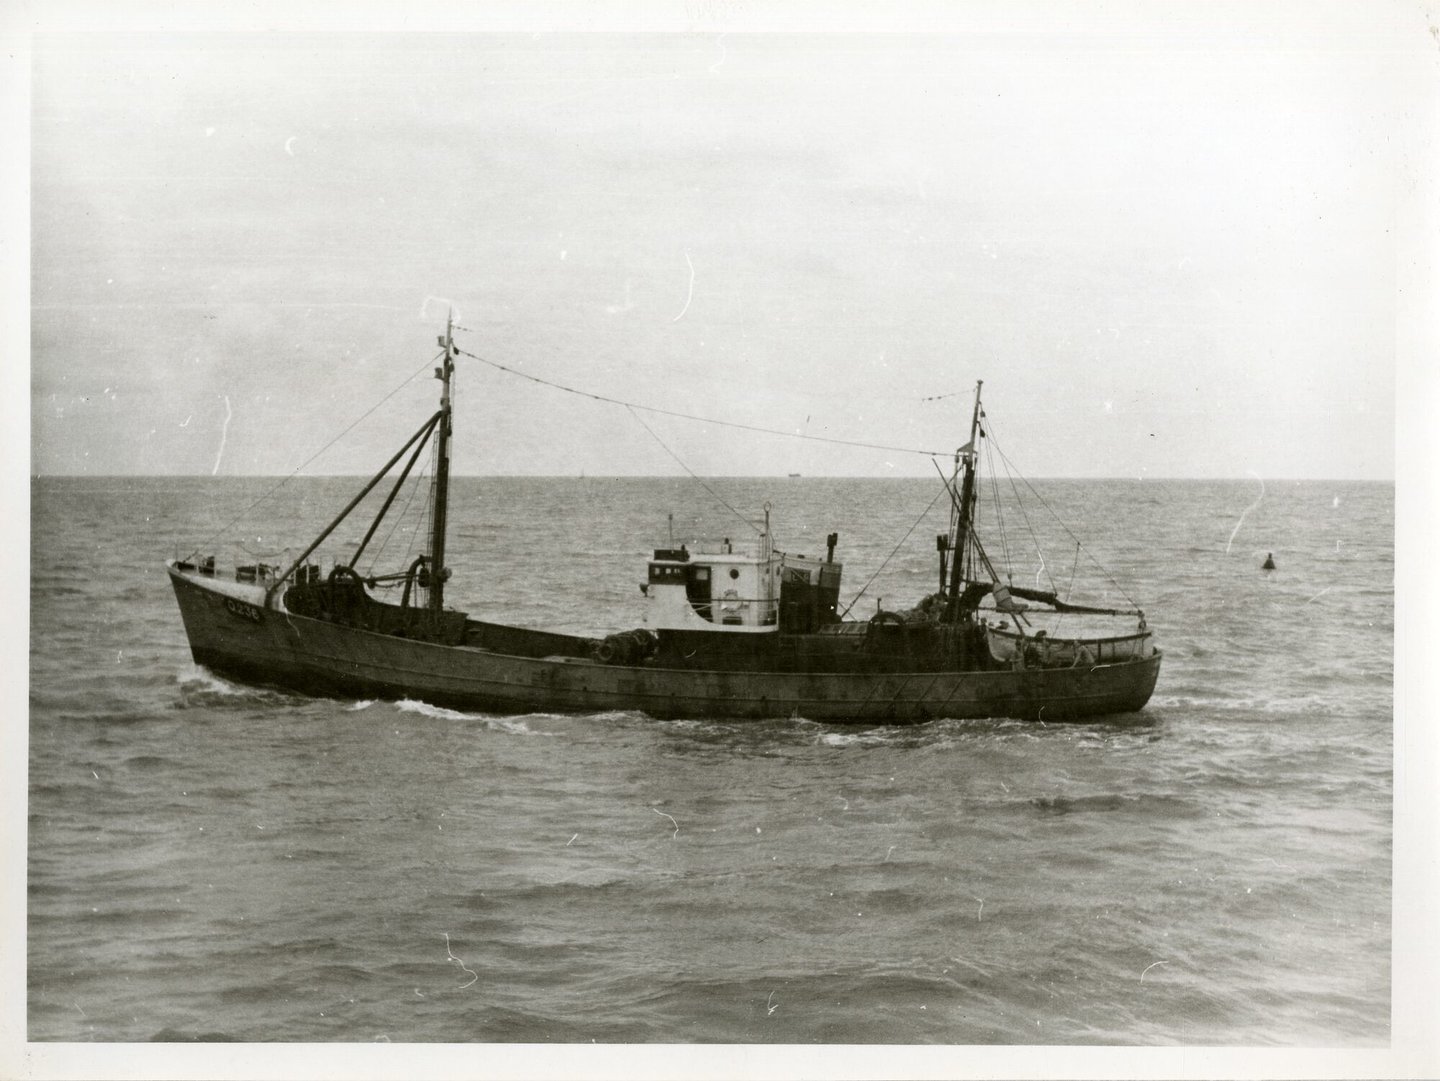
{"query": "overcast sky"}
(1169, 248)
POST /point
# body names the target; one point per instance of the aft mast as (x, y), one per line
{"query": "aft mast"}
(441, 489)
(964, 513)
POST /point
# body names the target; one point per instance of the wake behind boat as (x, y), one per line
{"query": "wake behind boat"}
(730, 630)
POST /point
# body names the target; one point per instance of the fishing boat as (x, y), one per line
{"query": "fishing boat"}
(728, 630)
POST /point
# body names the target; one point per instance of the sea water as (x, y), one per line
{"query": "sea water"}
(209, 861)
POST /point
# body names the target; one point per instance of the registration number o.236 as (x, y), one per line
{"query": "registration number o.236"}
(243, 610)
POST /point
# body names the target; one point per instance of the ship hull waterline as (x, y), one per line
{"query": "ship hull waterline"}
(233, 636)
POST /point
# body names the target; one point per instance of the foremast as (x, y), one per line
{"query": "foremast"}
(440, 490)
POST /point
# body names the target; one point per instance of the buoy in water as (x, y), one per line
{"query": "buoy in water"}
(1269, 564)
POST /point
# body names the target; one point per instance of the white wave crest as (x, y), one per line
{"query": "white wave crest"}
(509, 724)
(425, 709)
(867, 738)
(202, 679)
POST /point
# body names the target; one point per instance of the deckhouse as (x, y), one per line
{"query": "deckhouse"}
(741, 589)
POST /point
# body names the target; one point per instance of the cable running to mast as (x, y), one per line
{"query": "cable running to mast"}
(702, 420)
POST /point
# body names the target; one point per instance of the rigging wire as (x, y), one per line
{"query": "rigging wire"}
(703, 420)
(286, 480)
(713, 493)
(954, 511)
(424, 479)
(999, 509)
(954, 496)
(891, 556)
(957, 565)
(1020, 503)
(272, 553)
(1061, 522)
(419, 528)
(415, 485)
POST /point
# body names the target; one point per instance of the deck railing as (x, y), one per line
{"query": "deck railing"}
(1059, 652)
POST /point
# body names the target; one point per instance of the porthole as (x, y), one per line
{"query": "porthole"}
(734, 573)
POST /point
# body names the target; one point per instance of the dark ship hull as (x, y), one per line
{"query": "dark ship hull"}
(235, 632)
